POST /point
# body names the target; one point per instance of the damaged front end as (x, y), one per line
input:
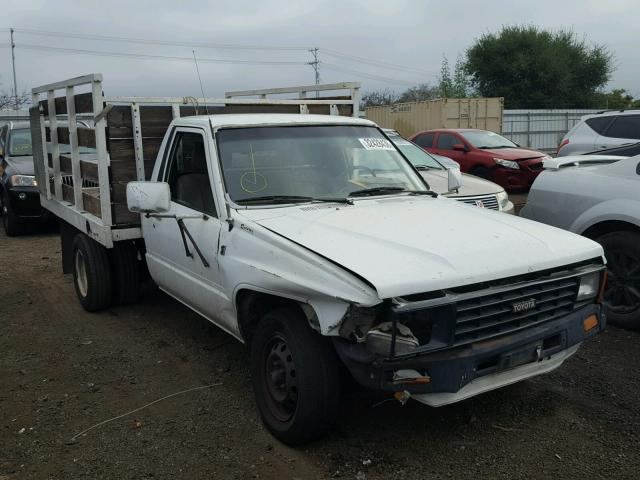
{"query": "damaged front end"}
(448, 345)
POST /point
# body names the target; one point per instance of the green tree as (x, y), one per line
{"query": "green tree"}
(535, 68)
(379, 97)
(419, 93)
(456, 85)
(617, 98)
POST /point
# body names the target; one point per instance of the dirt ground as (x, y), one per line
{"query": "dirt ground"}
(63, 370)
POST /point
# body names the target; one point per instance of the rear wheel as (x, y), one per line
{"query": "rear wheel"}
(125, 273)
(622, 296)
(91, 273)
(295, 377)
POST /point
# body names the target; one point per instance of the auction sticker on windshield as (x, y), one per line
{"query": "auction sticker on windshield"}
(376, 144)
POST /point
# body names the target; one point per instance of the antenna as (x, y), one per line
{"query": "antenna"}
(195, 60)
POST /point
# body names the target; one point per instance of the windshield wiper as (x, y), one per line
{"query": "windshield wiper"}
(425, 167)
(376, 191)
(293, 199)
(486, 147)
(431, 193)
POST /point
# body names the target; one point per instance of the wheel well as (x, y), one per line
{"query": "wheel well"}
(608, 226)
(252, 306)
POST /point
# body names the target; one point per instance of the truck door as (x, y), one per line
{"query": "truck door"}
(173, 258)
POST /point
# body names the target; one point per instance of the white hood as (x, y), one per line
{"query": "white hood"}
(405, 245)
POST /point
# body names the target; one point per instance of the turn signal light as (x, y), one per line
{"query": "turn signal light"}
(590, 322)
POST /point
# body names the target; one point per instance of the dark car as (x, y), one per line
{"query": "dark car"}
(485, 154)
(19, 197)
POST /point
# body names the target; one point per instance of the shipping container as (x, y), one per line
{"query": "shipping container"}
(409, 118)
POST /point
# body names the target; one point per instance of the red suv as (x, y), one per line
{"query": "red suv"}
(485, 154)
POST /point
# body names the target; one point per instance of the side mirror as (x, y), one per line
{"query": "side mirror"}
(454, 179)
(148, 197)
(459, 147)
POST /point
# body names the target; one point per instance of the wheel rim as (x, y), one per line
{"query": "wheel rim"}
(280, 379)
(623, 288)
(81, 273)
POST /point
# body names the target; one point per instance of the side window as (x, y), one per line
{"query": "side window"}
(187, 173)
(446, 141)
(425, 140)
(599, 124)
(625, 126)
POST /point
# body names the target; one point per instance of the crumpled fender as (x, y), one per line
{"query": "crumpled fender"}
(257, 259)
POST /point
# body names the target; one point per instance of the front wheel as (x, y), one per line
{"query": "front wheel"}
(295, 377)
(622, 296)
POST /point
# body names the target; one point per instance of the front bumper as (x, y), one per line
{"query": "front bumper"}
(511, 179)
(461, 372)
(25, 203)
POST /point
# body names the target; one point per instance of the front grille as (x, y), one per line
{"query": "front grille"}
(486, 201)
(490, 315)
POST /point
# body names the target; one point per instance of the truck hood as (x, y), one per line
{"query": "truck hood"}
(405, 244)
(471, 185)
(514, 153)
(20, 166)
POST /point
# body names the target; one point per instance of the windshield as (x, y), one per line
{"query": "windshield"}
(415, 154)
(324, 161)
(20, 142)
(484, 139)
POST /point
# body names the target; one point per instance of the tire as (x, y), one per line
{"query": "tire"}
(125, 273)
(481, 172)
(10, 221)
(91, 273)
(622, 296)
(284, 347)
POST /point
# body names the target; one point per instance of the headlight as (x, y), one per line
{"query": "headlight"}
(23, 181)
(503, 199)
(589, 286)
(507, 163)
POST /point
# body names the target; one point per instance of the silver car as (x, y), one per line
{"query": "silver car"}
(433, 168)
(598, 196)
(601, 131)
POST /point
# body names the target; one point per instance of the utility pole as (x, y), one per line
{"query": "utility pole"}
(316, 66)
(13, 65)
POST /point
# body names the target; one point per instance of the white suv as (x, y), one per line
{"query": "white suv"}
(601, 131)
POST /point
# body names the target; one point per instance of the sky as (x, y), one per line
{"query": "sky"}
(397, 43)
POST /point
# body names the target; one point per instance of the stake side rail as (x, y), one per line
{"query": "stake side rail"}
(88, 146)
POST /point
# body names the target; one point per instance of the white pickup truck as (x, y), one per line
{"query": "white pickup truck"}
(313, 240)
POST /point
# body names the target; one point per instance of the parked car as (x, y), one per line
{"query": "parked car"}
(598, 196)
(19, 197)
(601, 131)
(485, 154)
(433, 168)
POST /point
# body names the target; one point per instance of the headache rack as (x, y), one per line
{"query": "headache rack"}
(88, 146)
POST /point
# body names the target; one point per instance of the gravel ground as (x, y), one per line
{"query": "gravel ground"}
(63, 370)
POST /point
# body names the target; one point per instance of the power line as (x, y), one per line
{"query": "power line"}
(115, 38)
(102, 53)
(378, 78)
(377, 63)
(146, 41)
